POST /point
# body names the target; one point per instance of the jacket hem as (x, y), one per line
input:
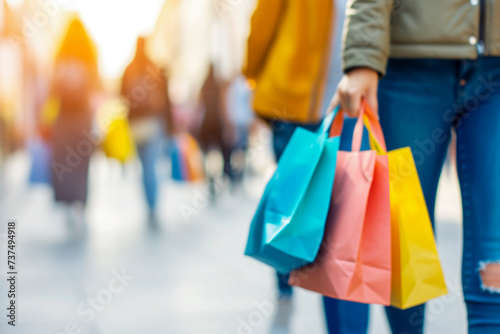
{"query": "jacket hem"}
(433, 51)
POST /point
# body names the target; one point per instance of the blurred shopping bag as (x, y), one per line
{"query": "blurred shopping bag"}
(288, 227)
(118, 142)
(194, 159)
(417, 275)
(48, 116)
(41, 157)
(187, 159)
(178, 165)
(39, 147)
(354, 262)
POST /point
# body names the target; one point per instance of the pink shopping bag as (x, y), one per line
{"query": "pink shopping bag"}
(354, 262)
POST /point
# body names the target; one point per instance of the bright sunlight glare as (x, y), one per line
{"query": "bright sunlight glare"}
(115, 25)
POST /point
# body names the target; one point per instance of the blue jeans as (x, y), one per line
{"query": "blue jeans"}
(341, 316)
(149, 152)
(420, 102)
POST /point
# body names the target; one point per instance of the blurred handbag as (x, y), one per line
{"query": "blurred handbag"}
(41, 157)
(354, 262)
(417, 275)
(118, 142)
(288, 227)
(178, 166)
(48, 116)
(187, 159)
(194, 159)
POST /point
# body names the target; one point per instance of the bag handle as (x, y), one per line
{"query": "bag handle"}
(377, 140)
(370, 120)
(331, 114)
(357, 135)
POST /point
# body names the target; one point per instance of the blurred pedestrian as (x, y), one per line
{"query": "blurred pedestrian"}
(145, 87)
(75, 79)
(288, 55)
(238, 100)
(216, 130)
(430, 67)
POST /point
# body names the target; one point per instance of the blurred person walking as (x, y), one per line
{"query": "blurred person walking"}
(75, 80)
(145, 87)
(431, 67)
(288, 61)
(216, 130)
(240, 114)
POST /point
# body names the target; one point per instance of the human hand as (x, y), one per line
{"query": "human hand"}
(355, 85)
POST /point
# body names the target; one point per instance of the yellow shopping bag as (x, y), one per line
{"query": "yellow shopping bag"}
(48, 116)
(417, 275)
(50, 111)
(112, 120)
(118, 142)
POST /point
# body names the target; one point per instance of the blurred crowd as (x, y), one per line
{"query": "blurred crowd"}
(188, 94)
(196, 91)
(181, 97)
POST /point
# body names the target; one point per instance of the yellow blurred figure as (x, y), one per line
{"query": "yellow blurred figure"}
(75, 80)
(77, 45)
(287, 58)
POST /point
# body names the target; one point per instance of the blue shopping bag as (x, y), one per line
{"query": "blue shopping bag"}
(287, 229)
(178, 168)
(41, 156)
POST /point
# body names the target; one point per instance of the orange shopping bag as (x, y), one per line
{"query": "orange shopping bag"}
(354, 262)
(194, 159)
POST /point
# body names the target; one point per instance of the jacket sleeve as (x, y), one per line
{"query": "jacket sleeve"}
(263, 28)
(366, 38)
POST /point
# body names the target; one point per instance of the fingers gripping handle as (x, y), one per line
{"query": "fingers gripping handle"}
(377, 140)
(370, 120)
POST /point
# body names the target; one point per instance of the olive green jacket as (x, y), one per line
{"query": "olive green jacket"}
(452, 29)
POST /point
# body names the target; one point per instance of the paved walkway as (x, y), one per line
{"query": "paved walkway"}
(189, 277)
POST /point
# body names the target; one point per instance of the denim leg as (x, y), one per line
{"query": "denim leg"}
(478, 162)
(343, 317)
(148, 154)
(484, 318)
(413, 97)
(282, 132)
(284, 288)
